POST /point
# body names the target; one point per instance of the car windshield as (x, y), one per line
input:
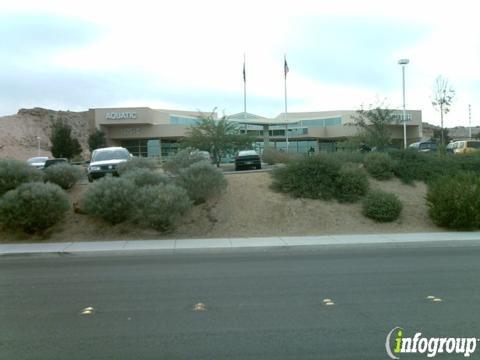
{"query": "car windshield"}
(37, 159)
(247, 153)
(117, 154)
(473, 144)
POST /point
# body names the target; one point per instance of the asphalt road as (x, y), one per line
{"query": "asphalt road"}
(259, 305)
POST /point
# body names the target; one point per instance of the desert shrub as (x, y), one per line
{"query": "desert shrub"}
(454, 201)
(310, 177)
(468, 162)
(33, 206)
(111, 199)
(351, 184)
(273, 156)
(410, 165)
(202, 181)
(64, 175)
(379, 165)
(159, 206)
(136, 163)
(144, 177)
(14, 172)
(382, 206)
(345, 156)
(182, 160)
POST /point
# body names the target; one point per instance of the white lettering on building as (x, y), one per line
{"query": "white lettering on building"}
(120, 115)
(130, 131)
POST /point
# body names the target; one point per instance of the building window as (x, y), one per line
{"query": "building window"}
(181, 120)
(142, 147)
(323, 122)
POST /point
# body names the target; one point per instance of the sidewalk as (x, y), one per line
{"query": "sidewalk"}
(236, 243)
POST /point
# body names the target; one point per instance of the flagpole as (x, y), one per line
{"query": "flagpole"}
(244, 90)
(285, 66)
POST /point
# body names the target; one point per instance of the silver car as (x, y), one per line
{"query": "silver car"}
(37, 162)
(105, 161)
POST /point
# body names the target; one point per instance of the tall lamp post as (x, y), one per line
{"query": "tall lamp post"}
(404, 62)
(38, 139)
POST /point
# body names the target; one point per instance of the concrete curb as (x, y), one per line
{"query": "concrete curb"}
(237, 243)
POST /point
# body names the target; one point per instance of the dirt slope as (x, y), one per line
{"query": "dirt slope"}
(18, 133)
(250, 208)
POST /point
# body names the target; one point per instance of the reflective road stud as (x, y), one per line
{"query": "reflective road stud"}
(199, 307)
(88, 311)
(328, 302)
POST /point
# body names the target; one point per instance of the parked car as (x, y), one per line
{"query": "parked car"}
(51, 162)
(105, 161)
(466, 146)
(202, 154)
(247, 159)
(424, 146)
(450, 148)
(37, 162)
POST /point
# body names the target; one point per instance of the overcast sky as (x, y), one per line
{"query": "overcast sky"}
(75, 55)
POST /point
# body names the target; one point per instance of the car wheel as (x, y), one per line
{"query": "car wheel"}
(90, 179)
(258, 167)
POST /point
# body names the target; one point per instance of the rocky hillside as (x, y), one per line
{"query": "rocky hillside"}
(457, 132)
(19, 133)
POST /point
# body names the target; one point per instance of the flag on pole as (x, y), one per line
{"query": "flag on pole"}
(285, 67)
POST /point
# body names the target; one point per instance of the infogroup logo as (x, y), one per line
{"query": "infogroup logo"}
(396, 344)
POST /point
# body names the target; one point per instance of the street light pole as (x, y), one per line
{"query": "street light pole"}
(469, 121)
(404, 62)
(38, 138)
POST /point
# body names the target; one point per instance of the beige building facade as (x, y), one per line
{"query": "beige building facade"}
(157, 132)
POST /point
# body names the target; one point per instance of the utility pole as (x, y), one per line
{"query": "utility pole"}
(469, 121)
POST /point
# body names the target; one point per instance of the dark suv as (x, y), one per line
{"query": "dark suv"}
(424, 146)
(247, 159)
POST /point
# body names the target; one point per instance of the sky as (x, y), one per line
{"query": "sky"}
(188, 55)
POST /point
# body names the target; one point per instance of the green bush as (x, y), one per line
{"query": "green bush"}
(136, 163)
(379, 165)
(273, 156)
(454, 201)
(351, 184)
(468, 162)
(14, 172)
(412, 165)
(33, 206)
(382, 206)
(182, 160)
(144, 177)
(160, 206)
(202, 181)
(346, 157)
(111, 199)
(309, 177)
(64, 175)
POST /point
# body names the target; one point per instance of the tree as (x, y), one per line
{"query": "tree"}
(437, 136)
(63, 144)
(443, 95)
(97, 140)
(219, 137)
(374, 125)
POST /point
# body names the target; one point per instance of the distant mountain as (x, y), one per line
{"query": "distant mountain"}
(457, 132)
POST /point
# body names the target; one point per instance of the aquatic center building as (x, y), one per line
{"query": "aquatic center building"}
(157, 132)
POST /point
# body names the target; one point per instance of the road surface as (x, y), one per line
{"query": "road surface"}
(257, 304)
